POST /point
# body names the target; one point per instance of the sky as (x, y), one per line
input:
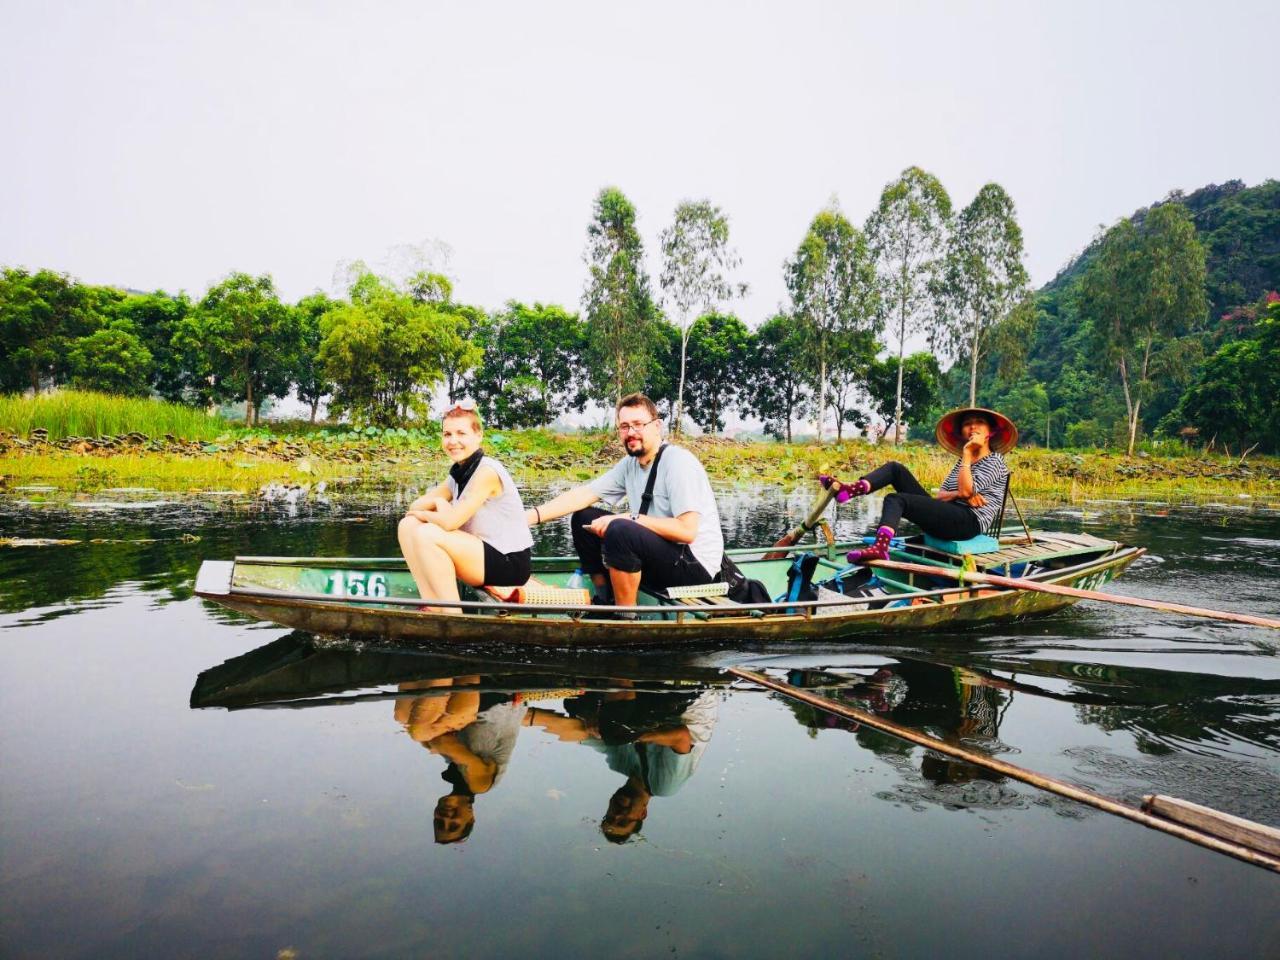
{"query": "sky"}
(163, 145)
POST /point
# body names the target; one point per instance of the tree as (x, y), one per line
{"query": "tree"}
(111, 360)
(41, 314)
(531, 366)
(717, 365)
(382, 353)
(696, 258)
(776, 389)
(241, 342)
(309, 377)
(1236, 395)
(982, 276)
(1143, 289)
(831, 280)
(917, 375)
(155, 317)
(457, 353)
(851, 356)
(907, 233)
(1026, 403)
(616, 301)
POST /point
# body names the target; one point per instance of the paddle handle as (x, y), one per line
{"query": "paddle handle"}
(811, 521)
(1021, 584)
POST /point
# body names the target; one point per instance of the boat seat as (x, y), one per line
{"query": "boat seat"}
(982, 543)
(702, 595)
(986, 542)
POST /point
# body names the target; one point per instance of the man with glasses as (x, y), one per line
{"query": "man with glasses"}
(676, 541)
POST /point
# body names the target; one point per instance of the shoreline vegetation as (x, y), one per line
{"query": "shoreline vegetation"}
(174, 448)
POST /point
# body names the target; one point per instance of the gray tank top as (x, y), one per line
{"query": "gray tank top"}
(500, 520)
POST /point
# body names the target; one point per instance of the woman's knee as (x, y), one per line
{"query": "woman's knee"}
(413, 530)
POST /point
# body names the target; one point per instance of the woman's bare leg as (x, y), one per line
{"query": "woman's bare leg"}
(438, 558)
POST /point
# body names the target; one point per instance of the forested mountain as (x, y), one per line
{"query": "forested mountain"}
(1067, 383)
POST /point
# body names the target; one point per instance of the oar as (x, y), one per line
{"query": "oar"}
(1245, 840)
(1018, 583)
(811, 521)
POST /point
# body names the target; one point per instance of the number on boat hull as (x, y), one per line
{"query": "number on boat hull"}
(357, 583)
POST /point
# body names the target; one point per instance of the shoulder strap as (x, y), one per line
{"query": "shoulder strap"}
(646, 500)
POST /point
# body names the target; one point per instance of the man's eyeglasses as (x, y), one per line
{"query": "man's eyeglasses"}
(625, 428)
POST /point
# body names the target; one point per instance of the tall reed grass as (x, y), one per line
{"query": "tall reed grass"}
(79, 413)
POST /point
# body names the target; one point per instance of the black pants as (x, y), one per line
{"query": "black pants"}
(949, 520)
(629, 547)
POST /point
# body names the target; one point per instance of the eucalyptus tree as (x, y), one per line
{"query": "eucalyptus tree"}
(241, 342)
(907, 234)
(696, 261)
(776, 388)
(982, 277)
(831, 280)
(617, 303)
(1143, 290)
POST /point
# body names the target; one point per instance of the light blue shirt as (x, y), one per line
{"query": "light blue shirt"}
(682, 487)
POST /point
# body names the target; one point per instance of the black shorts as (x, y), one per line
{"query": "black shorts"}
(506, 569)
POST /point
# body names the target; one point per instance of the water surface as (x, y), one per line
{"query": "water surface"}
(178, 781)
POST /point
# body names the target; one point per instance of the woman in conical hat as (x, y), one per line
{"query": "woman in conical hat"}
(970, 497)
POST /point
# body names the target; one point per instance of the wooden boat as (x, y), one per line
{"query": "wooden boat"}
(376, 598)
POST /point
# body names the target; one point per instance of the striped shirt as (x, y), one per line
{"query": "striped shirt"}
(989, 477)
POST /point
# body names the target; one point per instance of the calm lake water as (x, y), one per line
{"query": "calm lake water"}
(179, 782)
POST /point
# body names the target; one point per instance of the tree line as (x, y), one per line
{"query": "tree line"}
(836, 352)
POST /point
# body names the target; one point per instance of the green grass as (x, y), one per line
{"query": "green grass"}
(78, 413)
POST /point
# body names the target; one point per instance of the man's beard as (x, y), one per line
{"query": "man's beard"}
(637, 452)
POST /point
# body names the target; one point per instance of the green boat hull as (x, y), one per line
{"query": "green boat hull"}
(375, 599)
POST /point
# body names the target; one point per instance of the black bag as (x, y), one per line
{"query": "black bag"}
(742, 589)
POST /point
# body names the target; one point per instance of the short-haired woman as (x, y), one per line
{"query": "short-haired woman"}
(970, 497)
(472, 526)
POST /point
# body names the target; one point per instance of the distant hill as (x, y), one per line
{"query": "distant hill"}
(1240, 228)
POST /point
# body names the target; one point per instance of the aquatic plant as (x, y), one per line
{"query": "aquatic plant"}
(82, 413)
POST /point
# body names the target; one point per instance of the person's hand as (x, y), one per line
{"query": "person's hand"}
(434, 504)
(422, 515)
(977, 500)
(599, 524)
(973, 447)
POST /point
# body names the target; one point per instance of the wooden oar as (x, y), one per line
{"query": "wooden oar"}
(1238, 846)
(1018, 583)
(811, 521)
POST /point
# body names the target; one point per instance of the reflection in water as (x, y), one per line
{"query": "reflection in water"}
(475, 733)
(655, 740)
(956, 705)
(651, 720)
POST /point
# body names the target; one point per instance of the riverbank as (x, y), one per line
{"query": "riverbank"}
(353, 461)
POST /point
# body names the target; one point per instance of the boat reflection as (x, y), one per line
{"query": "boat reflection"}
(650, 719)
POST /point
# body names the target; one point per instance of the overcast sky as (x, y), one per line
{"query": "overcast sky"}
(161, 145)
